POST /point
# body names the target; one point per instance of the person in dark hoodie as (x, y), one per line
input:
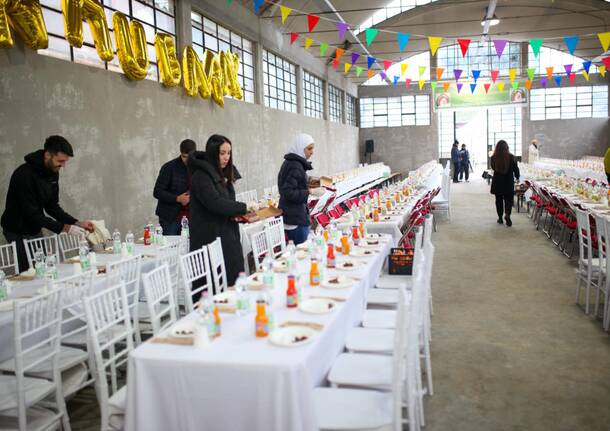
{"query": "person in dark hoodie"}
(293, 185)
(32, 201)
(212, 206)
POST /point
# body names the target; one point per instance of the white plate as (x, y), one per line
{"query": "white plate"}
(280, 266)
(370, 243)
(255, 280)
(318, 306)
(363, 252)
(342, 282)
(373, 236)
(228, 296)
(285, 337)
(184, 330)
(303, 245)
(352, 265)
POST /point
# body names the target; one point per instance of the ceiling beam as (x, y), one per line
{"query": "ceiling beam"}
(491, 9)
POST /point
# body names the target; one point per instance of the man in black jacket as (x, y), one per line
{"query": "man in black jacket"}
(33, 191)
(172, 190)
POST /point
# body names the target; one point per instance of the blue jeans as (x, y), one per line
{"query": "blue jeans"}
(298, 235)
(171, 227)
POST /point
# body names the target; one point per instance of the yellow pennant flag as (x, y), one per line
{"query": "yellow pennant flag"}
(434, 43)
(421, 83)
(604, 39)
(347, 67)
(602, 69)
(500, 86)
(308, 41)
(285, 12)
(585, 74)
(512, 73)
(403, 68)
(422, 70)
(439, 73)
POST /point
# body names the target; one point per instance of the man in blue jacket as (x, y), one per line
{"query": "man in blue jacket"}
(172, 191)
(455, 159)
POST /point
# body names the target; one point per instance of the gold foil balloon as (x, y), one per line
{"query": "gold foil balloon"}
(213, 73)
(25, 17)
(194, 80)
(169, 66)
(230, 65)
(75, 11)
(130, 46)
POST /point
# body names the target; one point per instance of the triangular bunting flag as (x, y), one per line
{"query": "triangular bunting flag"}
(312, 21)
(323, 48)
(446, 86)
(293, 37)
(457, 73)
(371, 73)
(439, 73)
(500, 44)
(558, 80)
(229, 2)
(433, 84)
(421, 83)
(512, 73)
(308, 41)
(403, 68)
(434, 42)
(386, 64)
(549, 72)
(346, 67)
(494, 75)
(285, 11)
(531, 72)
(568, 68)
(500, 86)
(586, 75)
(543, 82)
(257, 6)
(358, 71)
(335, 63)
(342, 28)
(370, 61)
(515, 85)
(586, 65)
(422, 70)
(606, 61)
(602, 70)
(383, 76)
(355, 57)
(528, 84)
(571, 42)
(536, 44)
(371, 34)
(473, 87)
(572, 78)
(459, 86)
(475, 75)
(486, 86)
(403, 39)
(464, 44)
(408, 82)
(396, 78)
(339, 53)
(604, 39)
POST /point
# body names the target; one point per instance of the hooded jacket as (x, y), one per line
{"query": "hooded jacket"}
(212, 206)
(292, 184)
(33, 191)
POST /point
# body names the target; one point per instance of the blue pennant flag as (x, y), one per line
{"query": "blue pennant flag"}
(472, 87)
(403, 39)
(571, 42)
(586, 65)
(257, 6)
(396, 78)
(558, 80)
(370, 61)
(475, 75)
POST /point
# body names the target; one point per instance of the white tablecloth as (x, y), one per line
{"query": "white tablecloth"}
(573, 172)
(239, 382)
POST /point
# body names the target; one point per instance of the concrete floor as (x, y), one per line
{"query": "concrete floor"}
(510, 349)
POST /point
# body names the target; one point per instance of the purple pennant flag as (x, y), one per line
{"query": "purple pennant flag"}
(459, 86)
(355, 57)
(500, 44)
(384, 76)
(457, 73)
(543, 82)
(342, 29)
(568, 68)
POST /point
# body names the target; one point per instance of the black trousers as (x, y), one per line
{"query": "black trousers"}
(504, 204)
(608, 177)
(456, 171)
(22, 257)
(465, 170)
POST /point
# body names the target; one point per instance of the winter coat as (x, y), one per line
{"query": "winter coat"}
(504, 184)
(33, 191)
(292, 184)
(212, 206)
(455, 154)
(171, 182)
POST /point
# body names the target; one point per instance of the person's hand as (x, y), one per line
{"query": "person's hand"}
(183, 199)
(86, 224)
(73, 229)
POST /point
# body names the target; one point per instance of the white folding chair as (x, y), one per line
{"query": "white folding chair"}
(588, 265)
(276, 238)
(128, 271)
(109, 324)
(170, 255)
(603, 282)
(217, 266)
(195, 268)
(260, 248)
(8, 259)
(252, 196)
(36, 337)
(68, 245)
(160, 298)
(48, 244)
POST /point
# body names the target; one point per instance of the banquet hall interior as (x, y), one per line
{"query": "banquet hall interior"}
(305, 215)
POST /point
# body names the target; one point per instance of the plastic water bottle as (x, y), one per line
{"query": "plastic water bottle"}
(51, 267)
(185, 227)
(116, 242)
(207, 318)
(3, 287)
(291, 257)
(158, 238)
(242, 304)
(268, 275)
(83, 254)
(39, 264)
(129, 242)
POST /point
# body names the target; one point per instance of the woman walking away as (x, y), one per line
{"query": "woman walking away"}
(505, 170)
(293, 186)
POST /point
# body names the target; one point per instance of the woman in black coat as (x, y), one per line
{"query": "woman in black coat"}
(292, 182)
(213, 207)
(505, 170)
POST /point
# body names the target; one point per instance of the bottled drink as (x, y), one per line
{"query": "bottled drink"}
(158, 239)
(314, 273)
(51, 267)
(355, 235)
(362, 228)
(147, 234)
(116, 242)
(326, 235)
(217, 322)
(291, 256)
(3, 287)
(129, 242)
(330, 256)
(241, 296)
(39, 264)
(345, 244)
(292, 300)
(83, 254)
(261, 321)
(375, 214)
(185, 227)
(268, 299)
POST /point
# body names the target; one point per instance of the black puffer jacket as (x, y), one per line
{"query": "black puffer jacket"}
(504, 184)
(292, 183)
(32, 191)
(212, 205)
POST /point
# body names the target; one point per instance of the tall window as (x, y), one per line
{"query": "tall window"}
(504, 122)
(549, 57)
(391, 9)
(480, 56)
(155, 15)
(351, 113)
(395, 111)
(446, 133)
(280, 82)
(335, 104)
(313, 95)
(569, 103)
(209, 35)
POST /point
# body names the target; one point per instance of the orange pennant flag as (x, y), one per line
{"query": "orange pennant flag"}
(549, 72)
(446, 86)
(371, 73)
(439, 73)
(528, 84)
(339, 52)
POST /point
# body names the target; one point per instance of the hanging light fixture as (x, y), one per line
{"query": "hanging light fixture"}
(494, 20)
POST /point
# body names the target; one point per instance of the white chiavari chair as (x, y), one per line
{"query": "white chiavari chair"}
(170, 255)
(260, 248)
(603, 238)
(48, 244)
(8, 258)
(276, 238)
(128, 271)
(196, 275)
(217, 266)
(159, 298)
(68, 245)
(588, 264)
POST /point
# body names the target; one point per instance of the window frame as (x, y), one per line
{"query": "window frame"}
(271, 91)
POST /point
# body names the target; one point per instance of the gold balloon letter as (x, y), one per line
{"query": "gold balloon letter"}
(130, 46)
(75, 11)
(230, 66)
(213, 73)
(25, 17)
(195, 82)
(169, 66)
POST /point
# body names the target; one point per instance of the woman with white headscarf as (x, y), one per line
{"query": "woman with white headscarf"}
(292, 183)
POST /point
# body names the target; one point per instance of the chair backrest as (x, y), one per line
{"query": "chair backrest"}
(322, 219)
(217, 266)
(170, 255)
(252, 195)
(260, 248)
(8, 258)
(48, 244)
(601, 228)
(159, 294)
(68, 245)
(75, 289)
(128, 272)
(276, 238)
(195, 269)
(585, 237)
(428, 227)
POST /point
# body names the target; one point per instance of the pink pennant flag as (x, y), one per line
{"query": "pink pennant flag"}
(572, 78)
(407, 82)
(386, 64)
(487, 85)
(606, 61)
(494, 75)
(500, 44)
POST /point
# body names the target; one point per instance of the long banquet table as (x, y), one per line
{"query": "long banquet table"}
(239, 382)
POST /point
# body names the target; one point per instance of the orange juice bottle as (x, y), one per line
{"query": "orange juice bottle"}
(292, 297)
(388, 205)
(216, 322)
(345, 244)
(314, 273)
(261, 321)
(375, 214)
(325, 234)
(330, 256)
(361, 228)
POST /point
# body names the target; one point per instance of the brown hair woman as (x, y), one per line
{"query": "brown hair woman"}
(505, 170)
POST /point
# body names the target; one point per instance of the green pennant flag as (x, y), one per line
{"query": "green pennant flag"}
(229, 2)
(323, 48)
(433, 85)
(422, 69)
(531, 73)
(536, 44)
(358, 71)
(371, 34)
(515, 85)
